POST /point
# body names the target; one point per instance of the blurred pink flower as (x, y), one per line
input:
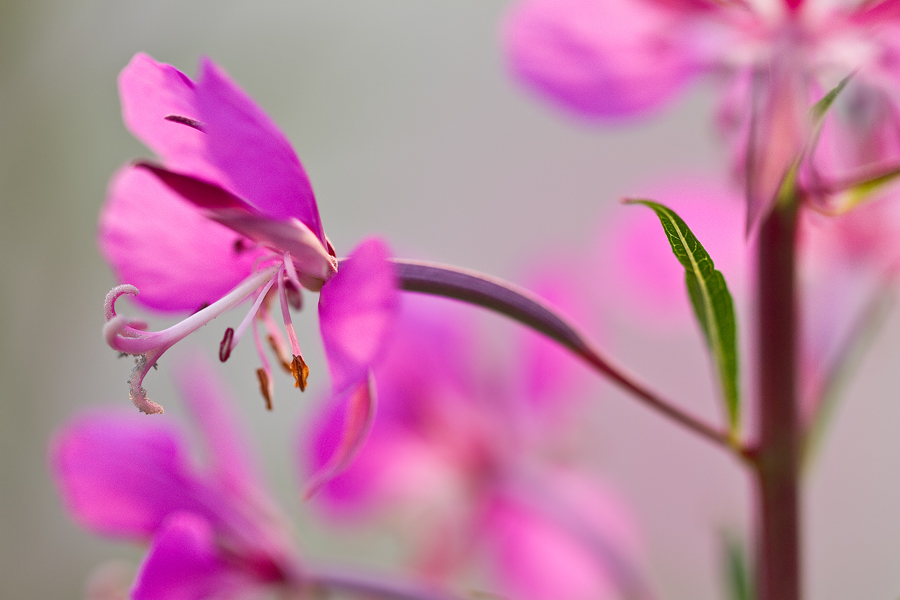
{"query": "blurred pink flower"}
(213, 531)
(447, 455)
(230, 215)
(608, 59)
(848, 263)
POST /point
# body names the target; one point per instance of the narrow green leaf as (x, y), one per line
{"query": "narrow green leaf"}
(821, 108)
(736, 566)
(864, 190)
(711, 300)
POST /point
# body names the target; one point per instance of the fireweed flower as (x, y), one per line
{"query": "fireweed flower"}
(213, 531)
(229, 215)
(446, 456)
(607, 59)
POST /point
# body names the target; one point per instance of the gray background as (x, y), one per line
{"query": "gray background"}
(409, 127)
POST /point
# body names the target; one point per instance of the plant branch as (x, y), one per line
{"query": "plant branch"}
(526, 308)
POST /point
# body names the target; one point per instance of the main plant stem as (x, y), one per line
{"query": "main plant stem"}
(778, 451)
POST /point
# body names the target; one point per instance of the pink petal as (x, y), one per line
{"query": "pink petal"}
(233, 143)
(158, 242)
(547, 371)
(537, 561)
(357, 424)
(777, 136)
(352, 490)
(150, 92)
(537, 558)
(600, 59)
(312, 259)
(356, 311)
(255, 159)
(886, 12)
(185, 563)
(423, 364)
(120, 475)
(212, 409)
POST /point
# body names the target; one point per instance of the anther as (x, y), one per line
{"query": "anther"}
(264, 387)
(225, 345)
(300, 372)
(185, 121)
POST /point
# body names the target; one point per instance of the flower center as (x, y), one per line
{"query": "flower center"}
(130, 336)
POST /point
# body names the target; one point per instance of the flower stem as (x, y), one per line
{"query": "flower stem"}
(523, 306)
(777, 455)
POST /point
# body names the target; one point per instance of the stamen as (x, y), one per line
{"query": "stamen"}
(290, 271)
(225, 345)
(185, 121)
(294, 296)
(300, 372)
(298, 367)
(263, 374)
(252, 313)
(277, 345)
(286, 316)
(295, 299)
(265, 387)
(128, 336)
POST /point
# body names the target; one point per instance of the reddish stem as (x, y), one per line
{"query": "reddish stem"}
(777, 455)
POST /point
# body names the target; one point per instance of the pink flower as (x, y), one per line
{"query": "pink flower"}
(230, 215)
(213, 531)
(448, 453)
(606, 59)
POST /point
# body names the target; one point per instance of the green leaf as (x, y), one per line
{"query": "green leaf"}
(736, 566)
(864, 190)
(821, 108)
(711, 300)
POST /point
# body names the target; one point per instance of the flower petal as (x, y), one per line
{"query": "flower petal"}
(212, 409)
(184, 563)
(255, 159)
(311, 258)
(429, 335)
(120, 475)
(150, 92)
(548, 372)
(358, 419)
(356, 310)
(218, 135)
(592, 554)
(600, 59)
(175, 256)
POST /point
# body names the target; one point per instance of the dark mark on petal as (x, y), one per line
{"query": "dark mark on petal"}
(185, 121)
